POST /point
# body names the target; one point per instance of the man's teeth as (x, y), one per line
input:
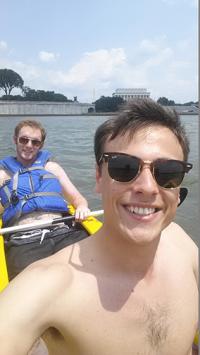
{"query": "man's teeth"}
(141, 211)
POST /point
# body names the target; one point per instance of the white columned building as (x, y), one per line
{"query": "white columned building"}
(128, 94)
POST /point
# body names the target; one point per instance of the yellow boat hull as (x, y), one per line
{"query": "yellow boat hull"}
(3, 268)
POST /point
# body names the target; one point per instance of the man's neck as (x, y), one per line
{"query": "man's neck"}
(129, 255)
(25, 163)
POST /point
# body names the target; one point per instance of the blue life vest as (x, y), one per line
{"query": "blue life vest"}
(30, 189)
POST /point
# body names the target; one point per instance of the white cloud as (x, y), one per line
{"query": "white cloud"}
(3, 46)
(47, 56)
(99, 65)
(152, 46)
(153, 64)
(164, 56)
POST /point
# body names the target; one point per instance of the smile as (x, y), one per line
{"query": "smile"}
(142, 211)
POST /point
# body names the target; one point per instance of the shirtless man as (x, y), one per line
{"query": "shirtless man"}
(132, 287)
(32, 187)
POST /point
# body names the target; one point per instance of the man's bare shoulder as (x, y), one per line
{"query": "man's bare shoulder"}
(179, 235)
(52, 166)
(40, 281)
(4, 175)
(182, 244)
(52, 273)
(31, 301)
(36, 290)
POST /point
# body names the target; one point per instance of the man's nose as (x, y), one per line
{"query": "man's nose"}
(145, 181)
(29, 144)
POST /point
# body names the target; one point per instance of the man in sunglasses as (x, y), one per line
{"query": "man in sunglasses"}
(34, 187)
(132, 287)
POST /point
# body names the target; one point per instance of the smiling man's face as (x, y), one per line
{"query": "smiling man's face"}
(140, 209)
(27, 151)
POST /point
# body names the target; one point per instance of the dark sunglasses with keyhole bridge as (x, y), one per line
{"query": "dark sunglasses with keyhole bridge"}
(168, 173)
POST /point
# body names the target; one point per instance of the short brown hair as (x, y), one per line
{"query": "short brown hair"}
(30, 123)
(138, 114)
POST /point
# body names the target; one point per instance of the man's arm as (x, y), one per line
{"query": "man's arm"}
(70, 192)
(18, 323)
(28, 305)
(192, 250)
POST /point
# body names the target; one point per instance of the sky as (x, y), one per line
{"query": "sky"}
(90, 48)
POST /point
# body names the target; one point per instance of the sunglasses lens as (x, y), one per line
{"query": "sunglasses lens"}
(36, 143)
(123, 168)
(169, 174)
(25, 140)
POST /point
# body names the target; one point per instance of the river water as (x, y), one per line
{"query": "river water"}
(70, 139)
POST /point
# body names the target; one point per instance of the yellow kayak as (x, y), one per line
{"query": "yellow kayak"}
(91, 225)
(3, 269)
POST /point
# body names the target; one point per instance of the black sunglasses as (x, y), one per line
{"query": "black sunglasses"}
(25, 140)
(125, 168)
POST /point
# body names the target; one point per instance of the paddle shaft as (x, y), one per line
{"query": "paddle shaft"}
(43, 224)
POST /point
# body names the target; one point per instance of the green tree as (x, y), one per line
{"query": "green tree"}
(165, 102)
(12, 98)
(9, 80)
(108, 104)
(42, 95)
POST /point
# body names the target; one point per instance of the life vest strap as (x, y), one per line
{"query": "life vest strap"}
(25, 198)
(24, 170)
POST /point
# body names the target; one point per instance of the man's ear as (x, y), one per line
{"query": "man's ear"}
(98, 179)
(14, 139)
(42, 144)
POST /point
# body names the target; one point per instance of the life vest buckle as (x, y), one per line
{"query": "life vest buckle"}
(22, 170)
(14, 199)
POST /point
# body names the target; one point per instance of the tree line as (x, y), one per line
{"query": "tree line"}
(9, 80)
(112, 104)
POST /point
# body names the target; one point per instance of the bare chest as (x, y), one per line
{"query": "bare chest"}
(110, 318)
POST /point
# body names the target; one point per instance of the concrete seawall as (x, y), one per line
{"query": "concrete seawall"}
(43, 108)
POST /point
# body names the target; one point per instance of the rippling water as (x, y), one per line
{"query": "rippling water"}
(70, 139)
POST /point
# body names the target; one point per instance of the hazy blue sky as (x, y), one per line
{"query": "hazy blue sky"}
(89, 48)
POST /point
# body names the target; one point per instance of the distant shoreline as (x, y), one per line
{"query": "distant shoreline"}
(115, 113)
(45, 108)
(83, 114)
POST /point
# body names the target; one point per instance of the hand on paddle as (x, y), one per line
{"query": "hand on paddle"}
(81, 213)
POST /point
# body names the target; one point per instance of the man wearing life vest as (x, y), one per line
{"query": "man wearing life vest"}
(33, 187)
